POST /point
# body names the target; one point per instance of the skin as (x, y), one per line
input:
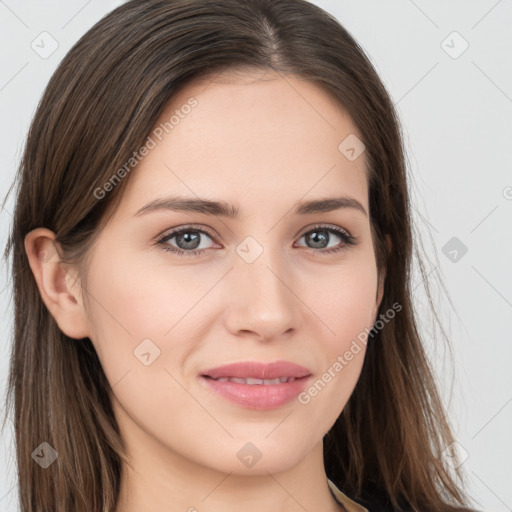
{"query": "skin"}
(263, 143)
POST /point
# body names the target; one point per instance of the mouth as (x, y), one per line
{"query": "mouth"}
(257, 386)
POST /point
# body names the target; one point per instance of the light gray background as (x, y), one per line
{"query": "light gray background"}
(456, 115)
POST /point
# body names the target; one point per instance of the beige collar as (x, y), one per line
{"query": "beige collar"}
(350, 505)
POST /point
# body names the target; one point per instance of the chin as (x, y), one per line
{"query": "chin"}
(258, 457)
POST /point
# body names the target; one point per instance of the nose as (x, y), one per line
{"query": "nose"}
(262, 300)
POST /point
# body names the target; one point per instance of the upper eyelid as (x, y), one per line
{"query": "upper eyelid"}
(174, 231)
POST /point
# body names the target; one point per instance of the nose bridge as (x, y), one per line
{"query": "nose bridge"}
(261, 266)
(264, 300)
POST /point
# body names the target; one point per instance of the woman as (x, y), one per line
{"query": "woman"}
(211, 252)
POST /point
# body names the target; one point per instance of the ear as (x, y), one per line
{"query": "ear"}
(59, 289)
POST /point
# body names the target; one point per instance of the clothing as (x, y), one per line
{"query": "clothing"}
(350, 506)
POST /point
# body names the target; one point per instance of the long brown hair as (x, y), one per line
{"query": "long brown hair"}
(98, 108)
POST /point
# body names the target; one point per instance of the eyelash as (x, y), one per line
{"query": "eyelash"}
(347, 240)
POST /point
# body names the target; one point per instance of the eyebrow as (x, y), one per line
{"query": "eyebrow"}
(223, 209)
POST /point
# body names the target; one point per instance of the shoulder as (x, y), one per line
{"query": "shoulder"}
(377, 503)
(343, 499)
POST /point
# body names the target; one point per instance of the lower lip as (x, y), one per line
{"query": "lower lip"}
(257, 396)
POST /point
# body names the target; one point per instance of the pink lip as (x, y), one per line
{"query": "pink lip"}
(257, 396)
(258, 370)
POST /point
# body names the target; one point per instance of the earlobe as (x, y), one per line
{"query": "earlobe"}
(59, 289)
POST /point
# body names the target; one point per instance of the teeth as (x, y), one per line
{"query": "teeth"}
(236, 379)
(252, 381)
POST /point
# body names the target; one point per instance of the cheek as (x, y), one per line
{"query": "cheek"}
(346, 306)
(142, 294)
(141, 305)
(345, 302)
(135, 306)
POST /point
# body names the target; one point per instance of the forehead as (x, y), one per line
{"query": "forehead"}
(249, 135)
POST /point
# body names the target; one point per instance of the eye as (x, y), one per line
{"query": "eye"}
(320, 236)
(188, 240)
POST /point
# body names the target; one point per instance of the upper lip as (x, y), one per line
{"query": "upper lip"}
(257, 370)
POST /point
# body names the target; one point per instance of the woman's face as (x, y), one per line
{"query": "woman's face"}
(261, 286)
